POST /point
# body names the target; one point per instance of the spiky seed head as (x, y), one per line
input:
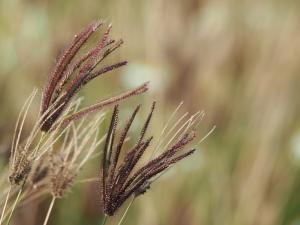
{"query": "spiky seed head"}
(61, 176)
(120, 180)
(71, 73)
(21, 167)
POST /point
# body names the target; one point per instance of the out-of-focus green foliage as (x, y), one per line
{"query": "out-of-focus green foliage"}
(237, 60)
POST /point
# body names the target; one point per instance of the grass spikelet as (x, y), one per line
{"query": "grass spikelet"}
(119, 180)
(69, 75)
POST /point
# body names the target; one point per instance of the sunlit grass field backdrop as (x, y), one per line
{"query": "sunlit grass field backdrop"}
(238, 60)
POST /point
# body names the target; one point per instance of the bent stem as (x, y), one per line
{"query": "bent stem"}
(104, 220)
(14, 206)
(5, 204)
(49, 210)
(126, 211)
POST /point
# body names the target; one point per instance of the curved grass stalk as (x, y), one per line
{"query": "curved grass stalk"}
(199, 142)
(26, 108)
(92, 149)
(49, 210)
(67, 135)
(4, 192)
(87, 138)
(104, 220)
(5, 204)
(50, 142)
(14, 206)
(197, 118)
(126, 211)
(94, 145)
(167, 134)
(21, 195)
(206, 136)
(39, 123)
(189, 121)
(173, 127)
(97, 154)
(167, 124)
(187, 125)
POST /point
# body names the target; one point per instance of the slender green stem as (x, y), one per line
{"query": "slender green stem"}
(104, 220)
(126, 211)
(8, 211)
(49, 211)
(14, 206)
(5, 204)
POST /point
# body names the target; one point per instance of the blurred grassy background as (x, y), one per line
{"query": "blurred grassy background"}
(237, 60)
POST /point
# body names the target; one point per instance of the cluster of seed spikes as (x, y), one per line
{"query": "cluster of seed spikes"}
(69, 160)
(71, 72)
(62, 177)
(120, 180)
(22, 167)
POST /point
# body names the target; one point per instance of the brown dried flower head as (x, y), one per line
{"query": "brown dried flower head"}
(119, 178)
(21, 168)
(71, 72)
(62, 176)
(79, 144)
